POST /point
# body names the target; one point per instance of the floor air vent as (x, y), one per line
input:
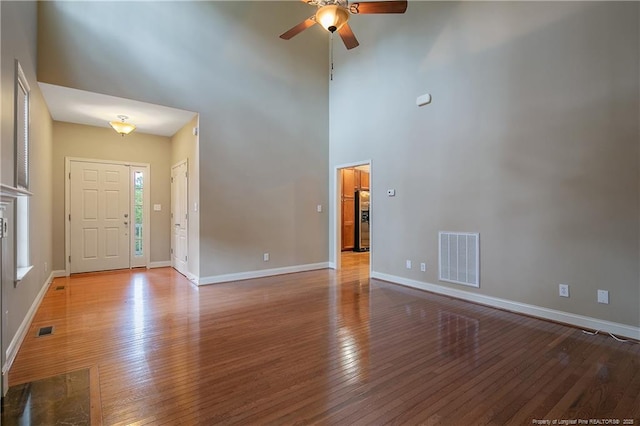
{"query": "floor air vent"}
(459, 256)
(60, 287)
(45, 331)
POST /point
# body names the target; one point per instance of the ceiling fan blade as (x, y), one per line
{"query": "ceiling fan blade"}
(348, 37)
(298, 28)
(365, 7)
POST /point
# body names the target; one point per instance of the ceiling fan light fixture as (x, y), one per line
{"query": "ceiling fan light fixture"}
(332, 17)
(121, 127)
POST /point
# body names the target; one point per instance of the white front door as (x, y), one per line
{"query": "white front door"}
(179, 217)
(99, 216)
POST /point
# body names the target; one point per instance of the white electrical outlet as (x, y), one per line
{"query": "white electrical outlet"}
(423, 267)
(603, 297)
(319, 208)
(563, 290)
(265, 257)
(408, 264)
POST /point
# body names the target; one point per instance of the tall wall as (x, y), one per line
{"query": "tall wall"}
(184, 146)
(89, 142)
(19, 29)
(263, 105)
(531, 140)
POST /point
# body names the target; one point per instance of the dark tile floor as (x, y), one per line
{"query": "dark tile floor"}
(59, 400)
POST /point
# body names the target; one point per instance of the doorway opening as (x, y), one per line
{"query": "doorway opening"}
(353, 212)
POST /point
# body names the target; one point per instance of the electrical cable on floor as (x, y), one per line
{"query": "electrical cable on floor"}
(593, 333)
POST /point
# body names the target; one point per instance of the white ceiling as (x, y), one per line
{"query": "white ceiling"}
(94, 109)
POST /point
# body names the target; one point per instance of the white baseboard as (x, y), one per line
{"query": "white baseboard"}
(523, 308)
(14, 346)
(217, 279)
(162, 264)
(59, 274)
(332, 265)
(193, 278)
(167, 264)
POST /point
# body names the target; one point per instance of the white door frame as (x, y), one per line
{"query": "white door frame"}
(67, 205)
(337, 212)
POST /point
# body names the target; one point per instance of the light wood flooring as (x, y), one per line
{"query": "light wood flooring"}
(321, 347)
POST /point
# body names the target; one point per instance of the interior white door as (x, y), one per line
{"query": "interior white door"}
(179, 217)
(99, 216)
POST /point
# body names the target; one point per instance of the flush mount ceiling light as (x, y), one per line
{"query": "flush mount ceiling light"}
(122, 127)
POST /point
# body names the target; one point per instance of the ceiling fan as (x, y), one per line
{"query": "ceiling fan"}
(333, 15)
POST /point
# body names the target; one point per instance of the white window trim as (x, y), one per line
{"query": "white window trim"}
(22, 203)
(22, 85)
(22, 272)
(23, 212)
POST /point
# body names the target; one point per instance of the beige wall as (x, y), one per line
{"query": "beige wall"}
(79, 141)
(19, 42)
(184, 146)
(263, 105)
(531, 140)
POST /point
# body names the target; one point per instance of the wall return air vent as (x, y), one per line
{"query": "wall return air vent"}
(459, 258)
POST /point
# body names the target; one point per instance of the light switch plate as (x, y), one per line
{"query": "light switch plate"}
(157, 207)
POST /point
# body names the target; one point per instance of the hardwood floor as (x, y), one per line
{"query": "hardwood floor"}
(321, 347)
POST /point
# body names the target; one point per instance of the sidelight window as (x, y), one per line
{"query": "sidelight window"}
(138, 213)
